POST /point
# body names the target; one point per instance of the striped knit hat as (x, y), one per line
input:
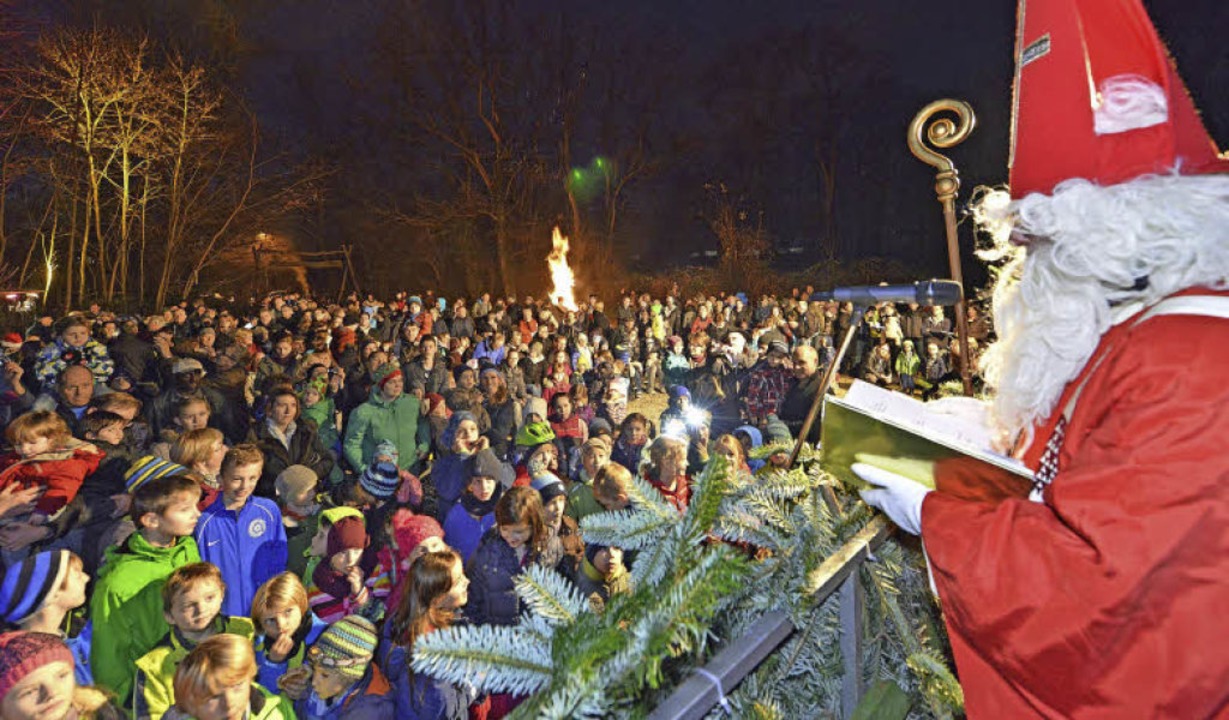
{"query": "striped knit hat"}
(149, 467)
(28, 584)
(347, 646)
(380, 479)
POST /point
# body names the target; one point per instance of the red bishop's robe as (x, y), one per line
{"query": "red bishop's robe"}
(1111, 598)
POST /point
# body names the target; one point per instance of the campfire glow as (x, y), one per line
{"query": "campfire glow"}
(562, 279)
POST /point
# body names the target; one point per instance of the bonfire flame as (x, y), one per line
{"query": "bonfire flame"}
(563, 281)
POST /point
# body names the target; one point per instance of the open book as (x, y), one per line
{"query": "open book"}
(870, 420)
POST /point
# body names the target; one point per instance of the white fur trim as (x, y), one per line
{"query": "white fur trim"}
(1129, 102)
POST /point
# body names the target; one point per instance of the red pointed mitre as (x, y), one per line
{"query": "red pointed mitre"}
(1097, 97)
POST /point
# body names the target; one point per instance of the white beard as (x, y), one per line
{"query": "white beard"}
(1053, 303)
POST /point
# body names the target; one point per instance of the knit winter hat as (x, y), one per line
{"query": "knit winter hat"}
(409, 530)
(387, 448)
(28, 584)
(334, 515)
(348, 533)
(535, 406)
(434, 400)
(600, 427)
(549, 486)
(320, 385)
(460, 370)
(295, 480)
(21, 653)
(150, 467)
(384, 373)
(600, 443)
(380, 479)
(347, 646)
(484, 464)
(534, 434)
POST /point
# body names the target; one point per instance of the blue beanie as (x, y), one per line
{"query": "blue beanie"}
(27, 585)
(381, 480)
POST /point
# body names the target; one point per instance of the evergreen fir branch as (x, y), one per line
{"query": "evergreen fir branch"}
(549, 595)
(646, 498)
(628, 529)
(490, 657)
(708, 490)
(653, 561)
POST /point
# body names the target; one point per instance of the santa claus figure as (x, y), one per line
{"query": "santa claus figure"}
(1102, 591)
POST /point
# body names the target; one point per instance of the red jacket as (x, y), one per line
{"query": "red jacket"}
(60, 472)
(1110, 598)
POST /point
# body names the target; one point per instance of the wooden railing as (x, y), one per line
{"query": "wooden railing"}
(707, 686)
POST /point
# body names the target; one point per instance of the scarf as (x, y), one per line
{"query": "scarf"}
(476, 507)
(330, 581)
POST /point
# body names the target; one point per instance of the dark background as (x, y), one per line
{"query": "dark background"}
(756, 95)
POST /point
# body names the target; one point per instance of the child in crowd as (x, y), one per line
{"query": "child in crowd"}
(341, 586)
(320, 409)
(37, 682)
(39, 594)
(46, 455)
(506, 550)
(633, 438)
(191, 604)
(593, 455)
(570, 431)
(191, 413)
(449, 472)
(438, 415)
(345, 682)
(474, 515)
(436, 593)
(562, 549)
(727, 446)
(666, 470)
(318, 548)
(202, 451)
(215, 682)
(285, 628)
(240, 533)
(409, 537)
(611, 487)
(602, 574)
(295, 488)
(581, 406)
(127, 605)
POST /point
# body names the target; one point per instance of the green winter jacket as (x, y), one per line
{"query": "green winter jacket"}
(127, 606)
(153, 691)
(400, 421)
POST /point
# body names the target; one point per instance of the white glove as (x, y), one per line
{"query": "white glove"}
(896, 495)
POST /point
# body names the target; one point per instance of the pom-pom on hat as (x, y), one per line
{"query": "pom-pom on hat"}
(12, 342)
(27, 585)
(1097, 97)
(21, 653)
(149, 468)
(347, 646)
(410, 530)
(380, 479)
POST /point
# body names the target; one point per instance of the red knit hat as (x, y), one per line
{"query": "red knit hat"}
(409, 530)
(22, 652)
(348, 533)
(1097, 97)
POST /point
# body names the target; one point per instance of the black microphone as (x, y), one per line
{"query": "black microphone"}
(925, 292)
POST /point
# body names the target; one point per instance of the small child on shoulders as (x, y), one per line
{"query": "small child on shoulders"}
(47, 456)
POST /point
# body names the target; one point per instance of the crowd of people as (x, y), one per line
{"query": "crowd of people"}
(218, 510)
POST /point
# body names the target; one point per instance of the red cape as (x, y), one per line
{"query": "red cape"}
(1111, 598)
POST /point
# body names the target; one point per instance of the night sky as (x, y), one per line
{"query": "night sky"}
(746, 93)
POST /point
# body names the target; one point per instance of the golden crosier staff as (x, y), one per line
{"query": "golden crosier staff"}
(944, 133)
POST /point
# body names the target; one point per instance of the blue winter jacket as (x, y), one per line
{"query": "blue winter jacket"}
(371, 700)
(492, 597)
(249, 547)
(463, 532)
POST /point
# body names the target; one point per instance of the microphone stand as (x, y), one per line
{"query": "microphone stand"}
(829, 378)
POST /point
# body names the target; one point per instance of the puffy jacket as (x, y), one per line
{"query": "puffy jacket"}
(51, 362)
(127, 606)
(267, 671)
(492, 595)
(371, 700)
(306, 448)
(399, 420)
(450, 475)
(426, 698)
(463, 531)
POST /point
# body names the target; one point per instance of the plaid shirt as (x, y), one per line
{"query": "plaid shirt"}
(766, 388)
